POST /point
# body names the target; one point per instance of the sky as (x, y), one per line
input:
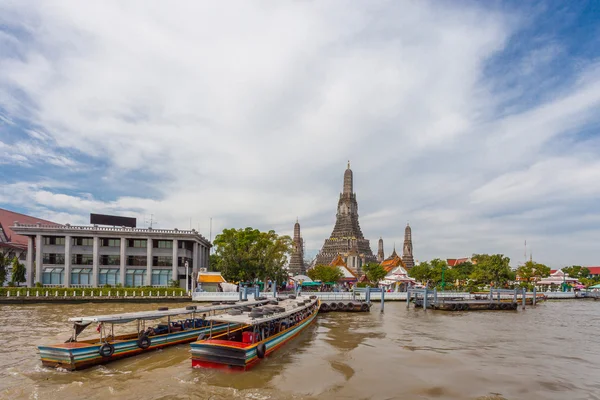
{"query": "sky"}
(477, 122)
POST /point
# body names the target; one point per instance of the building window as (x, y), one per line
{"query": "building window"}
(135, 277)
(137, 243)
(137, 261)
(110, 242)
(52, 258)
(162, 261)
(109, 277)
(181, 262)
(163, 244)
(53, 276)
(186, 245)
(83, 241)
(82, 259)
(81, 276)
(110, 260)
(54, 240)
(160, 277)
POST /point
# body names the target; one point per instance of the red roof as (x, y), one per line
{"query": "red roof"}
(453, 262)
(593, 270)
(8, 219)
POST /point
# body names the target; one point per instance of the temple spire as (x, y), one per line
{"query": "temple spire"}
(348, 189)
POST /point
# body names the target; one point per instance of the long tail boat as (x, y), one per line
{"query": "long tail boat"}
(183, 325)
(258, 332)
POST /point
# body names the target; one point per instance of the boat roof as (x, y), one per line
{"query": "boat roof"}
(149, 315)
(291, 306)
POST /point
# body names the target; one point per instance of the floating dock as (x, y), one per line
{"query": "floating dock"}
(345, 306)
(495, 299)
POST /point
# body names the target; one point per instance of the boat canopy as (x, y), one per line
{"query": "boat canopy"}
(291, 307)
(150, 315)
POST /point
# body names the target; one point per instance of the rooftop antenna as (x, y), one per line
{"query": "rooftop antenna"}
(150, 222)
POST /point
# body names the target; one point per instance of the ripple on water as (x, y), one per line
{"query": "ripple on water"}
(404, 354)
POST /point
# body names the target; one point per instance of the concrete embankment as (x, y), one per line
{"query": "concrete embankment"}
(89, 299)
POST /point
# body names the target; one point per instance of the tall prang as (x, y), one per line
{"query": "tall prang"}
(380, 254)
(297, 266)
(407, 249)
(347, 239)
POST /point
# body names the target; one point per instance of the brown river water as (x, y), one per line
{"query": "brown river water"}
(548, 352)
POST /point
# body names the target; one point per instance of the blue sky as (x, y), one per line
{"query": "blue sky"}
(475, 121)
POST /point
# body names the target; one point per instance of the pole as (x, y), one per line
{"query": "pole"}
(524, 294)
(425, 299)
(435, 302)
(443, 282)
(274, 289)
(240, 290)
(382, 298)
(245, 293)
(407, 298)
(534, 296)
(368, 295)
(187, 276)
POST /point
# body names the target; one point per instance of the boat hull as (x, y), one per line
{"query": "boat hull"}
(224, 354)
(81, 355)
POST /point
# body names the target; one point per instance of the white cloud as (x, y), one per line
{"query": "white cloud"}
(249, 114)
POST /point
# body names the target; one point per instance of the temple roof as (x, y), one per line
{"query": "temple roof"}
(337, 261)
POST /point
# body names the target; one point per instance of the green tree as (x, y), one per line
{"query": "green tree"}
(3, 265)
(576, 271)
(532, 271)
(374, 272)
(249, 254)
(492, 269)
(325, 273)
(422, 272)
(18, 272)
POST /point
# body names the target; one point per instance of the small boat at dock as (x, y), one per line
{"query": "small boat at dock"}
(171, 327)
(253, 333)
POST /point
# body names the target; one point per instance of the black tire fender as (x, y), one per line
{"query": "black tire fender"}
(324, 307)
(364, 307)
(261, 350)
(465, 307)
(106, 350)
(144, 342)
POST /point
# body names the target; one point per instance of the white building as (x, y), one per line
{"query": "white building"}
(93, 256)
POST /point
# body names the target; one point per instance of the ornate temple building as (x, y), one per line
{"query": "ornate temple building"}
(407, 250)
(347, 239)
(392, 262)
(297, 266)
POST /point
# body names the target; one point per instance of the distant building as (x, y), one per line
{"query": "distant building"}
(93, 256)
(380, 254)
(392, 262)
(407, 249)
(347, 239)
(296, 266)
(12, 244)
(348, 275)
(453, 262)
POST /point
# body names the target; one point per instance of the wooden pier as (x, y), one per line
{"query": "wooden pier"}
(495, 299)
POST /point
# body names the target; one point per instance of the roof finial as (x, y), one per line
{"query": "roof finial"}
(348, 164)
(296, 219)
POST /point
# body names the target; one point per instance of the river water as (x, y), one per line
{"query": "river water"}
(548, 352)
